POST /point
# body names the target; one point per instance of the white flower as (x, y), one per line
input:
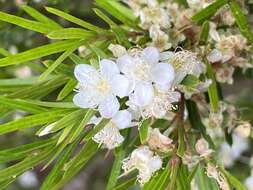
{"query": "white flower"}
(184, 62)
(154, 15)
(100, 88)
(144, 69)
(202, 148)
(110, 136)
(28, 180)
(144, 160)
(229, 154)
(158, 107)
(159, 38)
(212, 172)
(249, 183)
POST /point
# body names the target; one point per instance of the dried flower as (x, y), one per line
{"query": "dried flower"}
(110, 136)
(202, 148)
(144, 160)
(212, 172)
(159, 142)
(117, 50)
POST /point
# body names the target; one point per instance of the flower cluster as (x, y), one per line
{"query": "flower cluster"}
(147, 84)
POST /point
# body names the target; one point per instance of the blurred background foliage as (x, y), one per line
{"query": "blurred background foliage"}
(16, 39)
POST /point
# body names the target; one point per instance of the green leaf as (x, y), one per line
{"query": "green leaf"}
(203, 181)
(115, 171)
(119, 11)
(21, 105)
(126, 184)
(208, 12)
(233, 181)
(68, 88)
(192, 173)
(63, 69)
(121, 36)
(65, 105)
(37, 52)
(190, 80)
(68, 119)
(39, 17)
(196, 122)
(31, 121)
(25, 23)
(183, 173)
(241, 21)
(4, 52)
(38, 91)
(77, 163)
(143, 130)
(159, 181)
(28, 163)
(71, 33)
(57, 171)
(77, 59)
(204, 33)
(80, 127)
(212, 90)
(73, 19)
(18, 82)
(22, 151)
(96, 129)
(182, 2)
(104, 17)
(60, 59)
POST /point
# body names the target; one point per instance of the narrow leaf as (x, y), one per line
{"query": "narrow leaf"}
(73, 19)
(25, 23)
(71, 33)
(37, 52)
(208, 12)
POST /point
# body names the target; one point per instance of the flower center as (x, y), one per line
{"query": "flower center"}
(103, 86)
(141, 72)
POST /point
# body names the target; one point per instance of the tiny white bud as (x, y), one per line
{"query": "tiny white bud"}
(117, 50)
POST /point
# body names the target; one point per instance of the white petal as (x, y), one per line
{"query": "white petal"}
(121, 85)
(108, 68)
(109, 107)
(155, 163)
(125, 63)
(167, 55)
(122, 119)
(95, 120)
(143, 94)
(163, 74)
(151, 54)
(84, 99)
(109, 136)
(84, 72)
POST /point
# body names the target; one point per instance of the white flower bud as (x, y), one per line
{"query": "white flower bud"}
(117, 50)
